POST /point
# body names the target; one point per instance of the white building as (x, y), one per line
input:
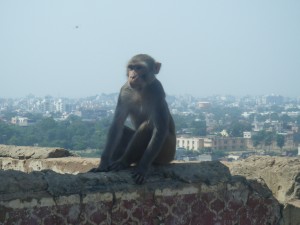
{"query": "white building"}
(20, 121)
(213, 142)
(60, 106)
(247, 134)
(190, 143)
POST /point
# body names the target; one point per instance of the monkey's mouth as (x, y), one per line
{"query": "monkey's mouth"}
(134, 86)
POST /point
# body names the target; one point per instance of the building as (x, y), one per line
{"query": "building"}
(227, 143)
(20, 121)
(273, 100)
(213, 142)
(190, 143)
(60, 106)
(288, 142)
(204, 105)
(247, 134)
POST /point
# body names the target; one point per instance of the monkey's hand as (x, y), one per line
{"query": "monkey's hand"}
(118, 165)
(103, 167)
(139, 175)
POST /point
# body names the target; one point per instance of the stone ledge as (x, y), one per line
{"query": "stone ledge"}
(25, 152)
(50, 190)
(48, 181)
(70, 165)
(199, 193)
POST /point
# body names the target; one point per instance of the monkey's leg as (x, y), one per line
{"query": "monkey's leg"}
(168, 150)
(135, 148)
(138, 144)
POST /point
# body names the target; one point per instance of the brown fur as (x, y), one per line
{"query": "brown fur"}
(153, 138)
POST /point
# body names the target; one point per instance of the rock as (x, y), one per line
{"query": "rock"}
(281, 174)
(282, 177)
(71, 165)
(25, 152)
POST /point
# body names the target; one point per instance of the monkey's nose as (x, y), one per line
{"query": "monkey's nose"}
(133, 76)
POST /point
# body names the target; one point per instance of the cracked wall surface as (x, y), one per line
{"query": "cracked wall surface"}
(52, 186)
(181, 193)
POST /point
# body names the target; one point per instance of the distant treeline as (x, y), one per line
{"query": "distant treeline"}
(73, 133)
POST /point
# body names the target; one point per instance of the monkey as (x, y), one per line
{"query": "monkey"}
(152, 140)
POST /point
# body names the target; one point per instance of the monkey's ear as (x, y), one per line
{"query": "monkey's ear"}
(157, 67)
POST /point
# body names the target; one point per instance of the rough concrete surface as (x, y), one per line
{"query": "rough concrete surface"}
(72, 165)
(184, 193)
(281, 175)
(39, 189)
(25, 152)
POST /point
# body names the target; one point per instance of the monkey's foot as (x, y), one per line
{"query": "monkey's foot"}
(138, 177)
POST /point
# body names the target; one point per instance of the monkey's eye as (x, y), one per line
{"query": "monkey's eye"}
(131, 67)
(135, 67)
(138, 67)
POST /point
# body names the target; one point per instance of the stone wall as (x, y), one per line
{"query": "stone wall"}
(202, 193)
(61, 191)
(281, 175)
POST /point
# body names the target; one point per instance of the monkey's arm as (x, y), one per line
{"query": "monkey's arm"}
(114, 136)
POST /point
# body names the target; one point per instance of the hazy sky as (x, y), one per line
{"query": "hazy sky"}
(72, 48)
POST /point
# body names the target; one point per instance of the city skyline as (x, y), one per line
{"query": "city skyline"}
(115, 95)
(78, 49)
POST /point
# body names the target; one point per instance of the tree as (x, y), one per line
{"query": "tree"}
(6, 132)
(258, 138)
(47, 123)
(268, 139)
(181, 122)
(298, 120)
(237, 128)
(285, 118)
(217, 154)
(280, 141)
(13, 141)
(199, 128)
(274, 116)
(296, 138)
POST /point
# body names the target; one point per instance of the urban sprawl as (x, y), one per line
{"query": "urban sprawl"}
(239, 126)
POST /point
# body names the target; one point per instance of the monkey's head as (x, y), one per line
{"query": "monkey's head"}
(141, 70)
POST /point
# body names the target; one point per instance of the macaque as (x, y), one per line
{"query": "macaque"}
(153, 139)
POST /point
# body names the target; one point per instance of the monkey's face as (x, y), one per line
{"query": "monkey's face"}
(138, 76)
(141, 71)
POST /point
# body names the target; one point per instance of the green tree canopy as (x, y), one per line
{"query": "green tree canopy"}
(280, 140)
(236, 128)
(258, 138)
